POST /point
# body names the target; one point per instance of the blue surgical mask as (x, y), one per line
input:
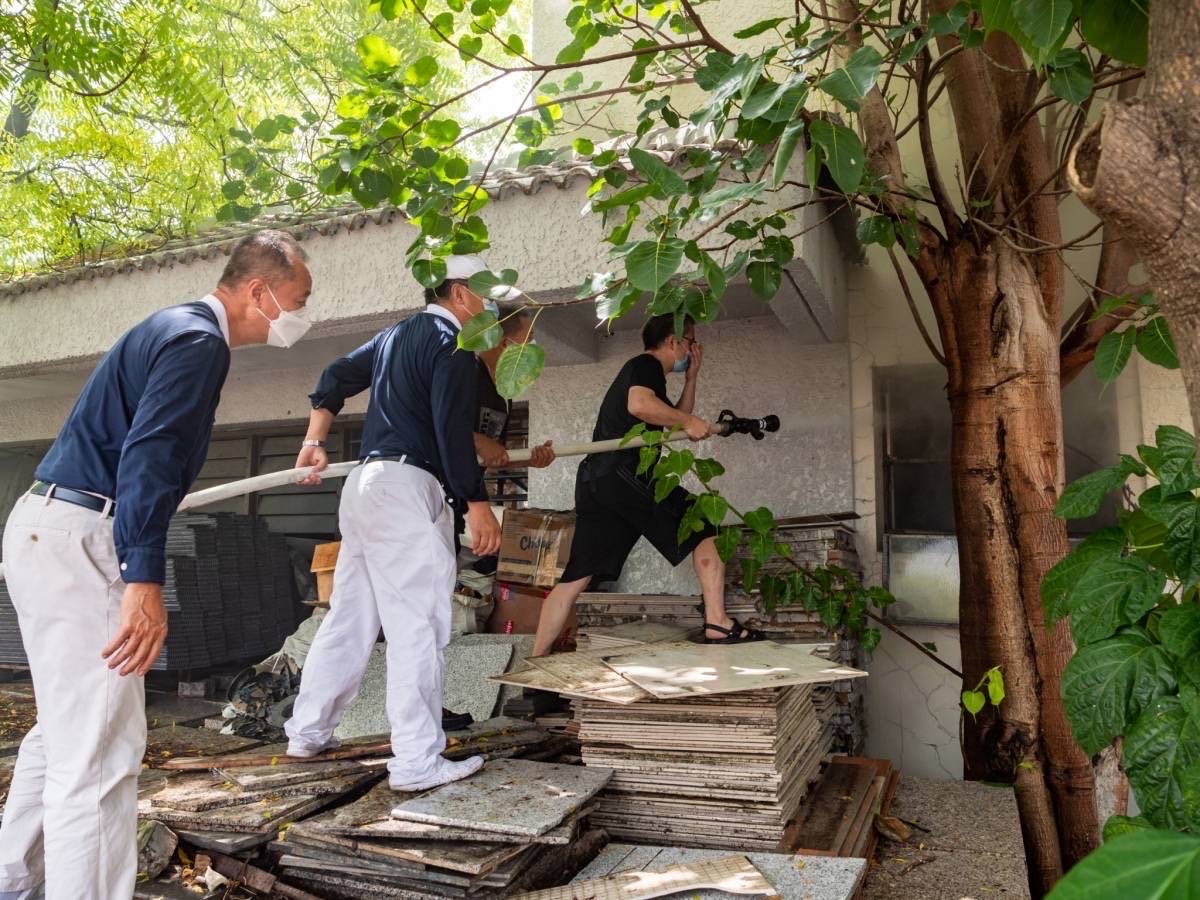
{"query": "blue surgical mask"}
(493, 307)
(681, 365)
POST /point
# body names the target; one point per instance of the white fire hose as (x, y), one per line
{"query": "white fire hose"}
(727, 424)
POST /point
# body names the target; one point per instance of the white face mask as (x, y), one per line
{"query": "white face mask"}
(288, 327)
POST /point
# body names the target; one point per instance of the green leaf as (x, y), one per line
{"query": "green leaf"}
(1082, 498)
(1112, 353)
(995, 685)
(1107, 685)
(623, 198)
(702, 306)
(657, 173)
(765, 278)
(1177, 468)
(647, 457)
(1043, 21)
(583, 146)
(1161, 745)
(713, 507)
(973, 702)
(371, 187)
(1155, 344)
(1070, 75)
(613, 305)
(1111, 593)
(1179, 630)
(783, 155)
(231, 190)
(708, 469)
(1116, 27)
(651, 263)
(727, 542)
(1164, 865)
(851, 83)
(732, 193)
(469, 46)
(714, 275)
(493, 285)
(429, 272)
(1183, 541)
(1110, 305)
(518, 367)
(877, 230)
(758, 28)
(870, 639)
(482, 332)
(760, 520)
(844, 156)
(377, 55)
(750, 569)
(420, 73)
(1119, 825)
(584, 39)
(664, 486)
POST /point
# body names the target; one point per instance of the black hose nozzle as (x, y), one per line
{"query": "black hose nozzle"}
(754, 427)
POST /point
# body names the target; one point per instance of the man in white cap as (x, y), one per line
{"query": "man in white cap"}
(396, 567)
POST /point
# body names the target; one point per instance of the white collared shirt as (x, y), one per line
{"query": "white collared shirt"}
(218, 309)
(439, 310)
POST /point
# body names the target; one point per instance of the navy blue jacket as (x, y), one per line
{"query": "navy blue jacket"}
(423, 394)
(139, 431)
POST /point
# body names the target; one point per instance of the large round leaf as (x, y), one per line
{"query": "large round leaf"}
(650, 263)
(518, 368)
(1164, 865)
(1107, 685)
(1112, 593)
(1159, 749)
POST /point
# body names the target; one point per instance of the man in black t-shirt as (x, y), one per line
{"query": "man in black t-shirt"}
(614, 506)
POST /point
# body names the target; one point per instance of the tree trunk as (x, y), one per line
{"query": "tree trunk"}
(1139, 169)
(1007, 463)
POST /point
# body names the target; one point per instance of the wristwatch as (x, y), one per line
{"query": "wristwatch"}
(309, 442)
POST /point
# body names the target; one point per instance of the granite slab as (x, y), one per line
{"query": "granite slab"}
(512, 796)
(465, 687)
(793, 876)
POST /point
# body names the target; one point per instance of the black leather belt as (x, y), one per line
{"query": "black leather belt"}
(408, 461)
(79, 498)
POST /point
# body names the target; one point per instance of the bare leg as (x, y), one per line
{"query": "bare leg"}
(711, 573)
(555, 609)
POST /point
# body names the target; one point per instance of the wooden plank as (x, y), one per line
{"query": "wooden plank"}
(276, 754)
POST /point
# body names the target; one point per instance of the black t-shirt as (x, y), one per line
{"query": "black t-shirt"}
(615, 420)
(491, 412)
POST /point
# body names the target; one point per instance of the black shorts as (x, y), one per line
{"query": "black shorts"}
(612, 510)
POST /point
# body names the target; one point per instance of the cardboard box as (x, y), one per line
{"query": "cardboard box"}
(323, 563)
(522, 606)
(535, 545)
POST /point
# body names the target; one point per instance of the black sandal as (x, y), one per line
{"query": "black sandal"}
(738, 634)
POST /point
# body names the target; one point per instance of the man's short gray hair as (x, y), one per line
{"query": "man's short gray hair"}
(270, 255)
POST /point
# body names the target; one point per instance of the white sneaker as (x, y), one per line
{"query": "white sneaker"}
(299, 751)
(443, 773)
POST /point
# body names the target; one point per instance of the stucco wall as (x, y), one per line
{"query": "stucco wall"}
(752, 367)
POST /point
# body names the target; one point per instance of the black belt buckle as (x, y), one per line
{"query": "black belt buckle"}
(77, 498)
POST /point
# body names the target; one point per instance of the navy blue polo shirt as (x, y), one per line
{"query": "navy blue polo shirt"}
(423, 394)
(140, 429)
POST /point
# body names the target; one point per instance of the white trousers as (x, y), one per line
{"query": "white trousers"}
(395, 569)
(71, 815)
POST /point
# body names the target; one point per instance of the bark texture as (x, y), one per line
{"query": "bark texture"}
(1138, 168)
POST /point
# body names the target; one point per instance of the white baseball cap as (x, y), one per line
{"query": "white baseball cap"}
(463, 267)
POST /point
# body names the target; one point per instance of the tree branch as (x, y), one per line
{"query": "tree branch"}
(1081, 336)
(912, 307)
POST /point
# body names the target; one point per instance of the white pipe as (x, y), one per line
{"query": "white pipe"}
(342, 469)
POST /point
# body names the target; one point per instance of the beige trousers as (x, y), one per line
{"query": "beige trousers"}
(71, 816)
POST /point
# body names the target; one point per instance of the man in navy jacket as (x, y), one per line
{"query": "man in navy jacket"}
(85, 561)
